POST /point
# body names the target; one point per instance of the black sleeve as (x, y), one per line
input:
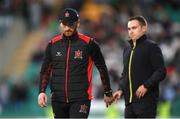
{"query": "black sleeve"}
(157, 63)
(121, 83)
(99, 62)
(122, 80)
(45, 69)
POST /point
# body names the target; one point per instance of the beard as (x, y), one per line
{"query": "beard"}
(70, 32)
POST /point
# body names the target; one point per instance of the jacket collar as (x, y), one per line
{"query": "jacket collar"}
(138, 41)
(74, 36)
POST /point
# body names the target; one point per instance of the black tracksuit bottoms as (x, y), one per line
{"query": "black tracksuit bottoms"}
(141, 110)
(77, 109)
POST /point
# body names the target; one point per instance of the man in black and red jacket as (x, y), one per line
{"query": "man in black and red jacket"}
(68, 66)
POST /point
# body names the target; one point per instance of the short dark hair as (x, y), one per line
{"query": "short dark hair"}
(139, 18)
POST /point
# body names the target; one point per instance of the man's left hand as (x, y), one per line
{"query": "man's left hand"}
(108, 100)
(141, 91)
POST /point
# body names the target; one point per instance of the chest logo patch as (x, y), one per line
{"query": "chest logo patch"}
(78, 54)
(58, 54)
(83, 108)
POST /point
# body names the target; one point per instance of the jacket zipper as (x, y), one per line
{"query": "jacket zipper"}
(129, 74)
(67, 66)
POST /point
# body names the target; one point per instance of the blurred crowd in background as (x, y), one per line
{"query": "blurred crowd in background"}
(26, 26)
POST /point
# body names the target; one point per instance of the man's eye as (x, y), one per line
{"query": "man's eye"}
(134, 27)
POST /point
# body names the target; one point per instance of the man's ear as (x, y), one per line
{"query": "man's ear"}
(78, 23)
(144, 28)
(61, 25)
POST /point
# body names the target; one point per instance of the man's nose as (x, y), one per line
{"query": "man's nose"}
(66, 28)
(130, 31)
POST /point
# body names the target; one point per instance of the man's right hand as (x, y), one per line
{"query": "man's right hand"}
(42, 99)
(117, 95)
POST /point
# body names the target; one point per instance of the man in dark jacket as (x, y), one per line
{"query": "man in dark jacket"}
(143, 70)
(68, 65)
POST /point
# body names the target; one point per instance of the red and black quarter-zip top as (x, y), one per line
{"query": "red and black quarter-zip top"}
(68, 65)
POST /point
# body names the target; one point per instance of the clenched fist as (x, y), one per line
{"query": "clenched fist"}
(42, 99)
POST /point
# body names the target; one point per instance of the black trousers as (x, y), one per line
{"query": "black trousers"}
(78, 109)
(141, 110)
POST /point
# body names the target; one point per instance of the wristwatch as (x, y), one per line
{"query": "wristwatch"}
(108, 93)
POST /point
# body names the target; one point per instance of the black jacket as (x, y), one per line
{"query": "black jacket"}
(68, 63)
(143, 64)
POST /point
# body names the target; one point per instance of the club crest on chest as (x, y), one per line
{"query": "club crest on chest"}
(78, 54)
(83, 108)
